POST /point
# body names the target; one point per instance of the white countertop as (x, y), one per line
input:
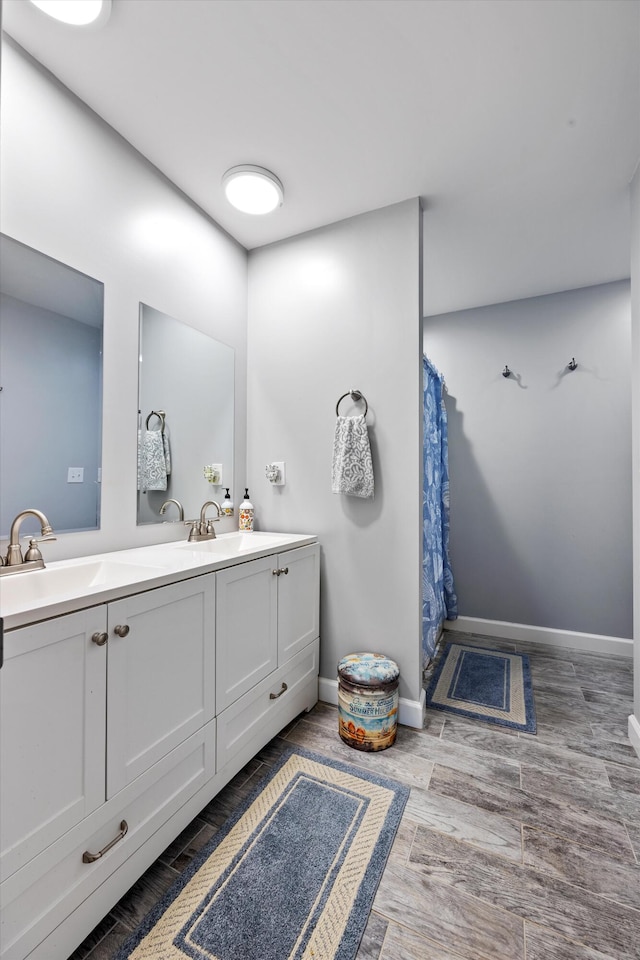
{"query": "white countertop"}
(68, 585)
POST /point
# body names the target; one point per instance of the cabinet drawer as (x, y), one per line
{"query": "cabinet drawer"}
(257, 716)
(39, 897)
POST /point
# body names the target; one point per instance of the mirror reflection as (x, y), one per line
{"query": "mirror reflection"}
(185, 419)
(51, 319)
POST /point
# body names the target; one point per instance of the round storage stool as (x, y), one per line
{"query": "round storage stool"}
(368, 700)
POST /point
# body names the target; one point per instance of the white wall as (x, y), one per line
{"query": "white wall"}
(541, 465)
(335, 309)
(635, 324)
(76, 191)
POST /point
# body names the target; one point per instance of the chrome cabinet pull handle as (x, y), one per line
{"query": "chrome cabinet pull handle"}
(100, 638)
(274, 696)
(92, 857)
(285, 570)
(121, 630)
(276, 573)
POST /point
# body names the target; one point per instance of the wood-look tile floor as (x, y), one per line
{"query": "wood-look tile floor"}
(511, 847)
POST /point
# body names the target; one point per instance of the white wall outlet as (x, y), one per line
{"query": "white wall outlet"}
(275, 473)
(75, 475)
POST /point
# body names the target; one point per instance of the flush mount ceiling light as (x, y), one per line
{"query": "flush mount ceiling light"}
(252, 189)
(77, 13)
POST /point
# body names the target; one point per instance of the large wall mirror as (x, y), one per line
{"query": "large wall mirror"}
(185, 418)
(51, 319)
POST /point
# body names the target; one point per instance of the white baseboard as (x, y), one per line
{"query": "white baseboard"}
(634, 733)
(592, 642)
(411, 713)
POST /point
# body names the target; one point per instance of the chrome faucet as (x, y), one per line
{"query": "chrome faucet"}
(178, 505)
(14, 561)
(203, 529)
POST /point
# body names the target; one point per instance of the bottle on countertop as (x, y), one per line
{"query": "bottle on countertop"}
(246, 512)
(227, 504)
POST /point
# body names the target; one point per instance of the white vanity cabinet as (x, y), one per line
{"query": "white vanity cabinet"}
(112, 718)
(107, 730)
(266, 611)
(267, 626)
(52, 732)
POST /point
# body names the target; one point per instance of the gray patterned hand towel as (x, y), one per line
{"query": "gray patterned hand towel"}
(152, 465)
(352, 469)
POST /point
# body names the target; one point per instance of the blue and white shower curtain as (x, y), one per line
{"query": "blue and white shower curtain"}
(439, 601)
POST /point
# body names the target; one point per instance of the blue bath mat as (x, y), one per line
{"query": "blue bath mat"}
(484, 684)
(292, 874)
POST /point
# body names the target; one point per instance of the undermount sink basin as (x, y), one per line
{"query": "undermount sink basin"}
(35, 586)
(233, 544)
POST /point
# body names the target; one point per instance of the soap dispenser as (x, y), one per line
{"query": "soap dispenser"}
(246, 512)
(227, 504)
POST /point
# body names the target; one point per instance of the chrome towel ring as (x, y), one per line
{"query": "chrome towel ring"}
(160, 414)
(356, 396)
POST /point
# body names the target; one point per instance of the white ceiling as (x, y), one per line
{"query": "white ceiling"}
(516, 121)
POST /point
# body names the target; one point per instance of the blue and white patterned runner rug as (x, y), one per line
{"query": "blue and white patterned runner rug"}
(484, 684)
(291, 876)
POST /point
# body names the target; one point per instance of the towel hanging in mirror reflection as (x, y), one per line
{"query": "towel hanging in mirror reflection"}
(154, 455)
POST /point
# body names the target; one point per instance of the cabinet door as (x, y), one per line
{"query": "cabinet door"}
(246, 627)
(161, 674)
(52, 732)
(298, 600)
